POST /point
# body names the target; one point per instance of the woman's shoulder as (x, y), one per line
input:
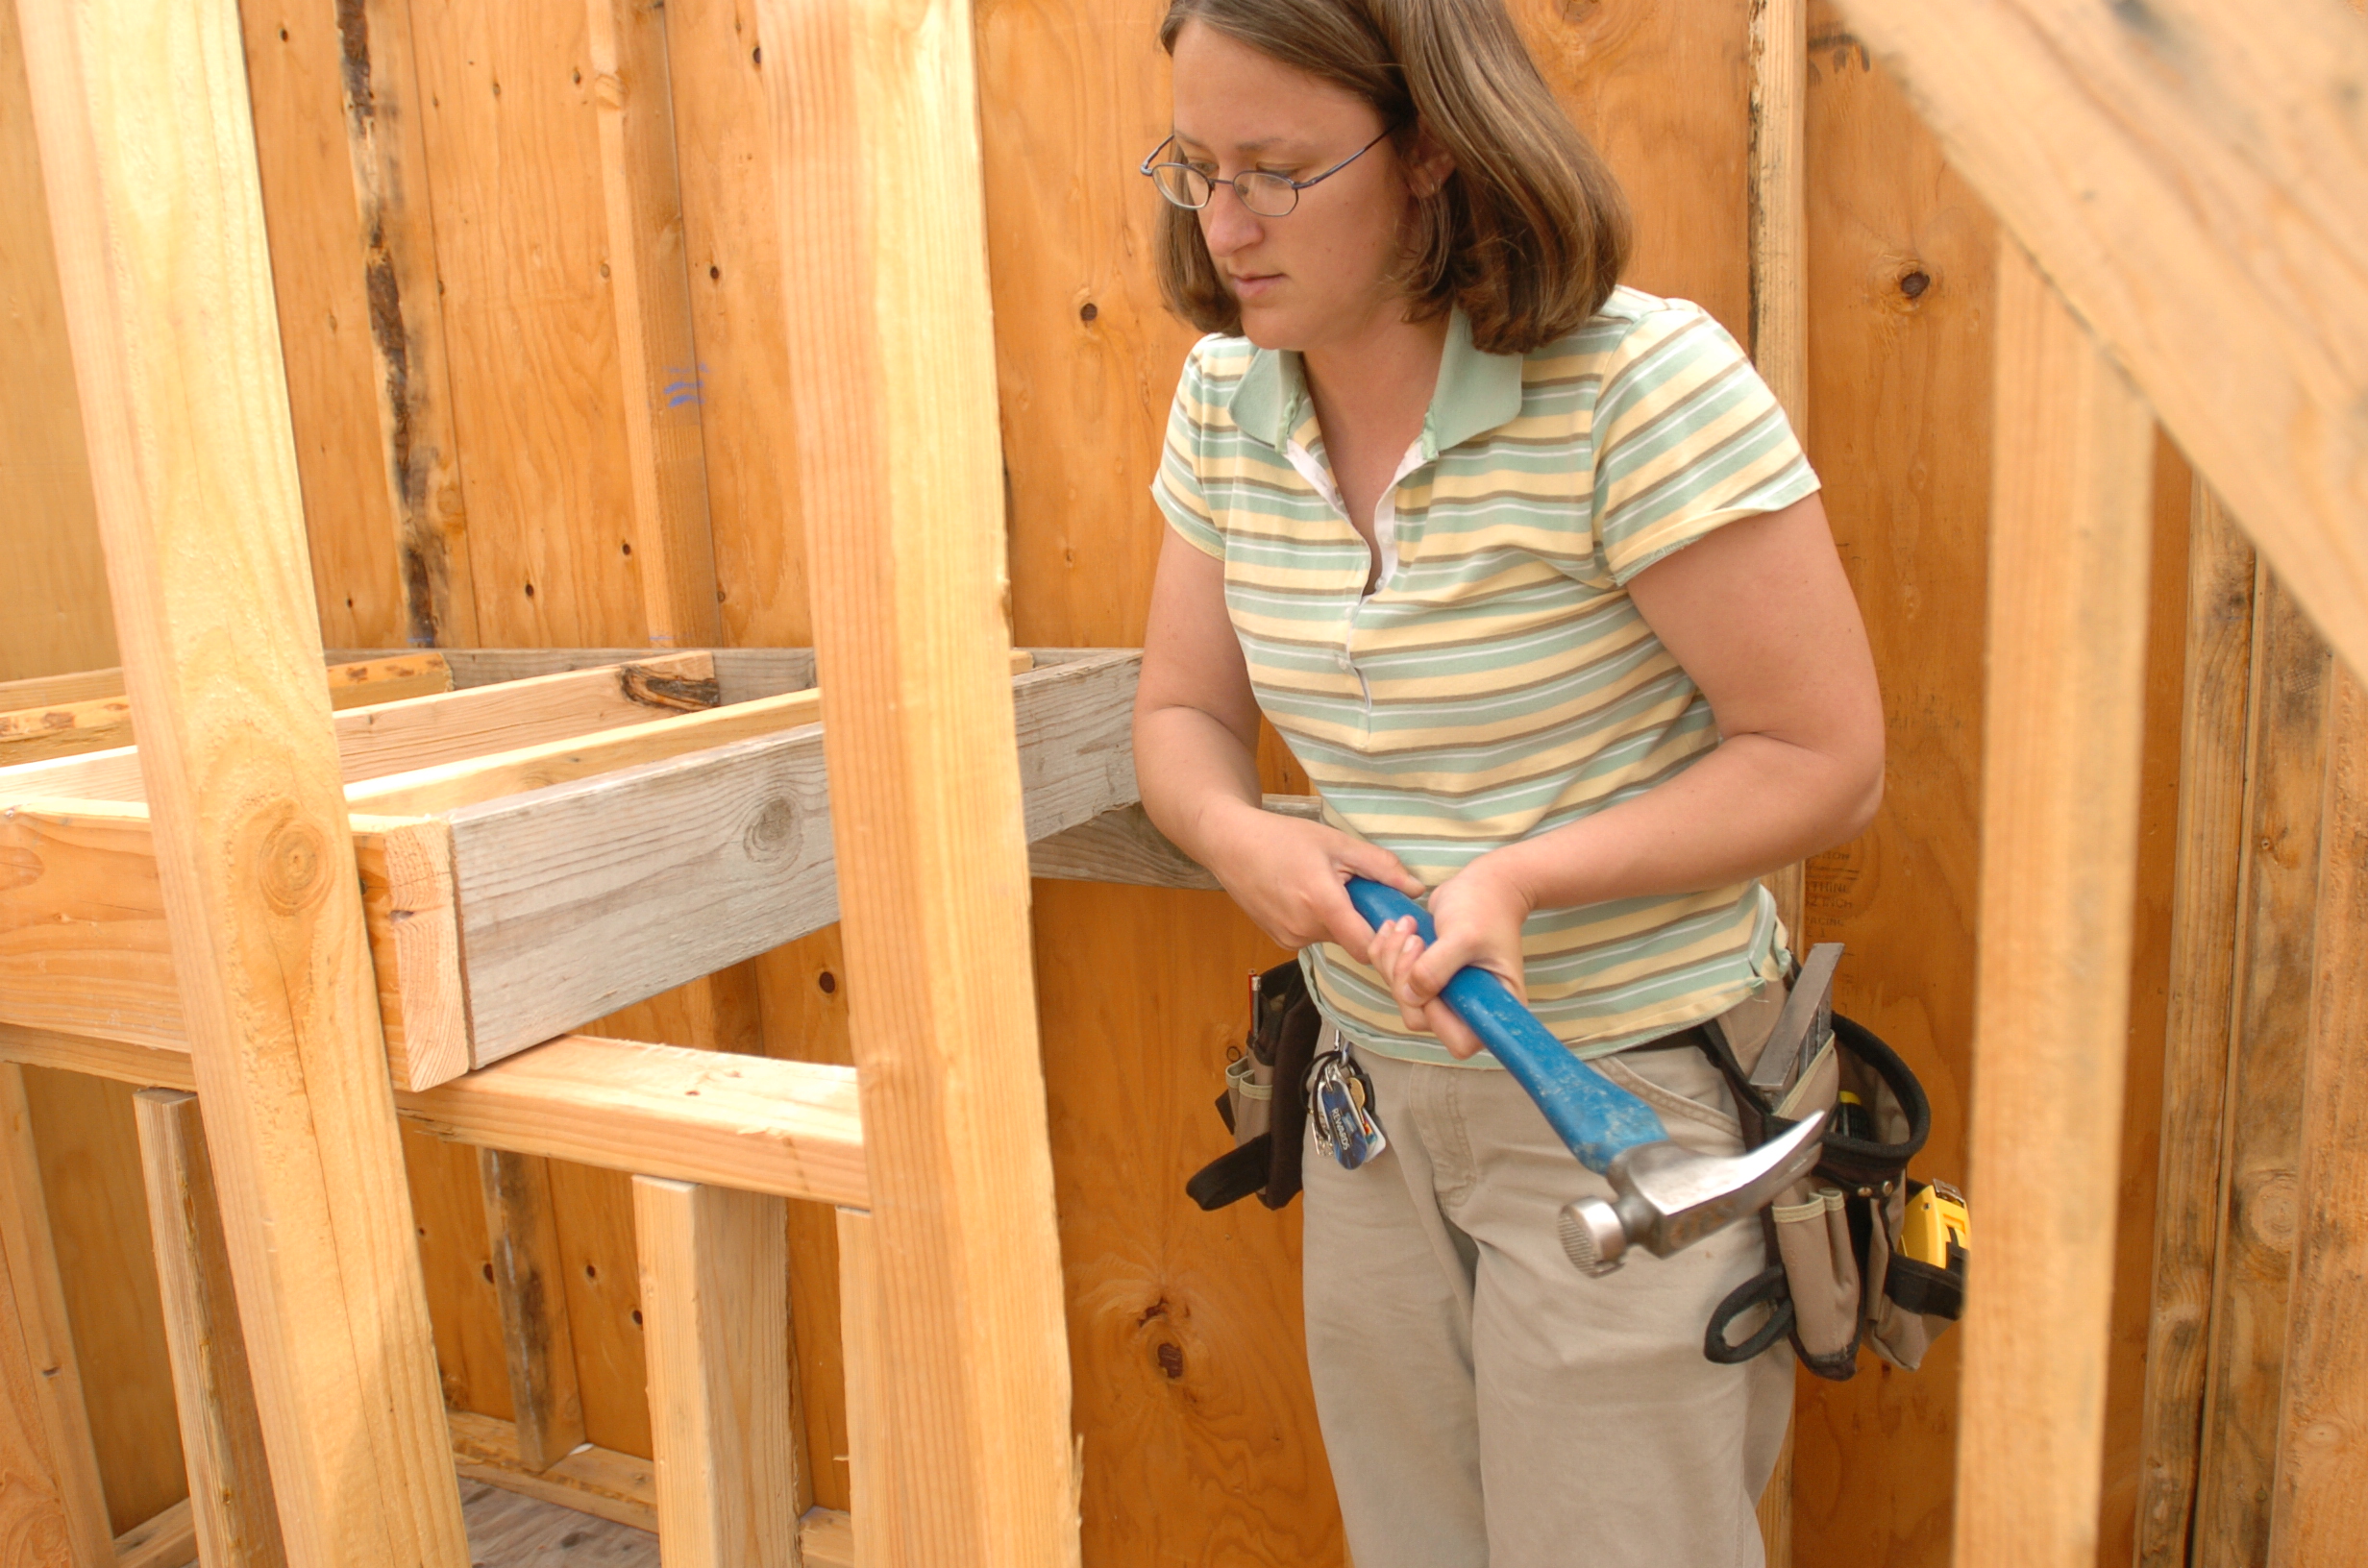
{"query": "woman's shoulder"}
(1632, 322)
(1218, 361)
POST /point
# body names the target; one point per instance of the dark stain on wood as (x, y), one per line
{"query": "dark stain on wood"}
(655, 689)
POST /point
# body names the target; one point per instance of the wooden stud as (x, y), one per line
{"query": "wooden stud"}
(675, 550)
(54, 1496)
(159, 232)
(386, 143)
(385, 677)
(875, 120)
(723, 1409)
(545, 1411)
(1780, 349)
(2204, 931)
(2124, 145)
(2320, 1509)
(874, 1506)
(2070, 536)
(221, 1432)
(165, 1540)
(2260, 1165)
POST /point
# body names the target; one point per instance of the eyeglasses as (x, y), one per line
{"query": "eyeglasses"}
(1269, 195)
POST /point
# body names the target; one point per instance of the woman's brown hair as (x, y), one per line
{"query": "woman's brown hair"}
(1528, 234)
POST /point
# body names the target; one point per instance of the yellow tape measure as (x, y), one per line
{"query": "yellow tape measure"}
(1935, 1221)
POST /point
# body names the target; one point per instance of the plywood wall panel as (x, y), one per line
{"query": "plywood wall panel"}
(1900, 278)
(457, 1260)
(522, 250)
(1663, 91)
(58, 616)
(739, 321)
(1185, 1327)
(295, 72)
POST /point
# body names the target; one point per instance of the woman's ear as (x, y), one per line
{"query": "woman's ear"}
(1428, 163)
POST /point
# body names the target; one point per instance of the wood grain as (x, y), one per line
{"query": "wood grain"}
(2261, 1150)
(406, 899)
(2124, 145)
(2322, 1479)
(715, 1297)
(2070, 537)
(546, 1411)
(2204, 933)
(876, 119)
(525, 263)
(385, 136)
(59, 618)
(233, 1514)
(353, 268)
(55, 1497)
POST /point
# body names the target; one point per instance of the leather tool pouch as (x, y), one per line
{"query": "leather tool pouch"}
(1835, 1278)
(1265, 1102)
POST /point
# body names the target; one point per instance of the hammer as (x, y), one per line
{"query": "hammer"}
(1665, 1197)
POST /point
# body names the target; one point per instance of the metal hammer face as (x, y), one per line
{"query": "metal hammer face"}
(1667, 1197)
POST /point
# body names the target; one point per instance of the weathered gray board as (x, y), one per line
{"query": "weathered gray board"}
(584, 897)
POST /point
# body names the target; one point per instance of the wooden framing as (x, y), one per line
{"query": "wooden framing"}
(33, 725)
(875, 121)
(162, 260)
(232, 1512)
(538, 812)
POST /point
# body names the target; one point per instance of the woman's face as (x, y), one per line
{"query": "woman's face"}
(1326, 272)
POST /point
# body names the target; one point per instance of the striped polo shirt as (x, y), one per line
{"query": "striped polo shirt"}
(1497, 682)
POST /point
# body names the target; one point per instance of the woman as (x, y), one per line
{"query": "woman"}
(1531, 573)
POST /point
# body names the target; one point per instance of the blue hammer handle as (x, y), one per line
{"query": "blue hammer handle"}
(1589, 1111)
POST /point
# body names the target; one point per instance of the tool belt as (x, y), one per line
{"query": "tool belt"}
(1838, 1276)
(1265, 1102)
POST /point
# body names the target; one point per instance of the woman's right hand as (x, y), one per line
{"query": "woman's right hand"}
(1290, 875)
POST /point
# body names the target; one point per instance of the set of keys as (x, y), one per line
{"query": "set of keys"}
(1340, 1101)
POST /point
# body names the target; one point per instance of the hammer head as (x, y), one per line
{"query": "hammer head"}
(1667, 1197)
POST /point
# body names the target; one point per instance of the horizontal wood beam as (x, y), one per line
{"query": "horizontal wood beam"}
(614, 1486)
(476, 781)
(1123, 845)
(745, 674)
(163, 1540)
(56, 716)
(749, 1123)
(579, 899)
(2186, 173)
(504, 924)
(424, 731)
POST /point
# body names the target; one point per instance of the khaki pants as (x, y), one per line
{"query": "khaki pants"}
(1482, 1402)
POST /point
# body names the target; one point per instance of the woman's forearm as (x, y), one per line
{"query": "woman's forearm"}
(1750, 806)
(1192, 770)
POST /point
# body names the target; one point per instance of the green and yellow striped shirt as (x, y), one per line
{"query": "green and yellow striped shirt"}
(1498, 682)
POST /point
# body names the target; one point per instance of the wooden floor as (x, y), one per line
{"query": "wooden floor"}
(507, 1531)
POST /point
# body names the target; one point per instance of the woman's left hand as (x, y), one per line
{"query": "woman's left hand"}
(1477, 914)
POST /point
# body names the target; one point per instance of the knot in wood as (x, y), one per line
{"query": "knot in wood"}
(775, 832)
(2272, 1207)
(291, 867)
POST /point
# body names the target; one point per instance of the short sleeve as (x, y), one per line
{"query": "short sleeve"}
(1176, 486)
(1686, 437)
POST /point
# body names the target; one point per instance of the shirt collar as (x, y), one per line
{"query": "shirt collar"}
(1476, 393)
